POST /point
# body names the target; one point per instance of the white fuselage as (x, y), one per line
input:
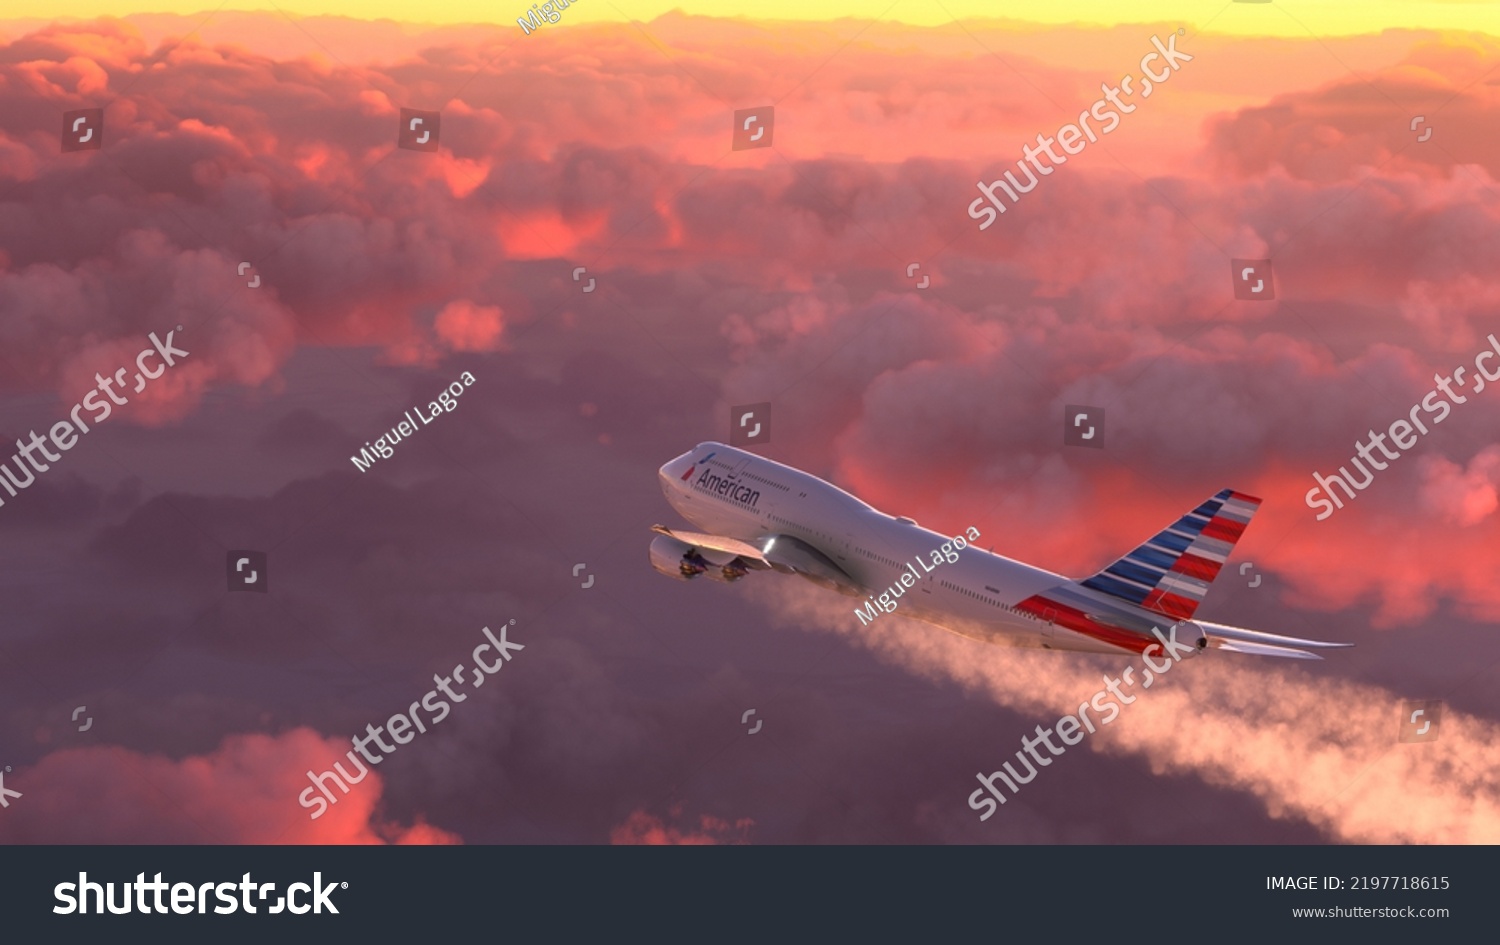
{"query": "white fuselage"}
(744, 496)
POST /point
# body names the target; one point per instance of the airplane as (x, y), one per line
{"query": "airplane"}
(761, 515)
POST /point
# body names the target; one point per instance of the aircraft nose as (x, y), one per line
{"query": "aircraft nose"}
(674, 473)
(673, 469)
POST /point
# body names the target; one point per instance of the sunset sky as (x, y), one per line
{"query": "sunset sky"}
(1339, 17)
(244, 138)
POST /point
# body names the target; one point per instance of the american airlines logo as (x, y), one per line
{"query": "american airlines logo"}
(727, 487)
(687, 475)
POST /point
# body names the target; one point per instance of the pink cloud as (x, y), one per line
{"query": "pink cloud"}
(642, 828)
(465, 326)
(1460, 495)
(245, 791)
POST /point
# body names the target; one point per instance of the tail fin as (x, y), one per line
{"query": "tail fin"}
(1170, 574)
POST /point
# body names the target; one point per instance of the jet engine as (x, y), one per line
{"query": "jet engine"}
(680, 560)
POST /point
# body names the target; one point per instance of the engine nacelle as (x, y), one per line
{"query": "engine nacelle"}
(676, 559)
(680, 560)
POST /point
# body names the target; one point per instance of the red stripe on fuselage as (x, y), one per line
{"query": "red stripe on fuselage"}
(1170, 605)
(1076, 620)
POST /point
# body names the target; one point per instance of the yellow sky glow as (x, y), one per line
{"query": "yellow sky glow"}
(1233, 17)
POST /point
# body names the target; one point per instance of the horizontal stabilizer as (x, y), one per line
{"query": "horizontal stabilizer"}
(1263, 649)
(1241, 635)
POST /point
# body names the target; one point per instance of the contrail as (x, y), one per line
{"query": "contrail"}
(1319, 749)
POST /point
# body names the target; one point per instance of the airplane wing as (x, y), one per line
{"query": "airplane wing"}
(701, 541)
(775, 552)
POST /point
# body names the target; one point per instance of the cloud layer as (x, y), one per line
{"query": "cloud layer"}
(600, 157)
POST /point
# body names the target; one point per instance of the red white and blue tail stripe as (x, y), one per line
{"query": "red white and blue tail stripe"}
(1170, 574)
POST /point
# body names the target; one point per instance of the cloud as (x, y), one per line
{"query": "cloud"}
(464, 326)
(642, 828)
(728, 278)
(1428, 113)
(1460, 495)
(245, 791)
